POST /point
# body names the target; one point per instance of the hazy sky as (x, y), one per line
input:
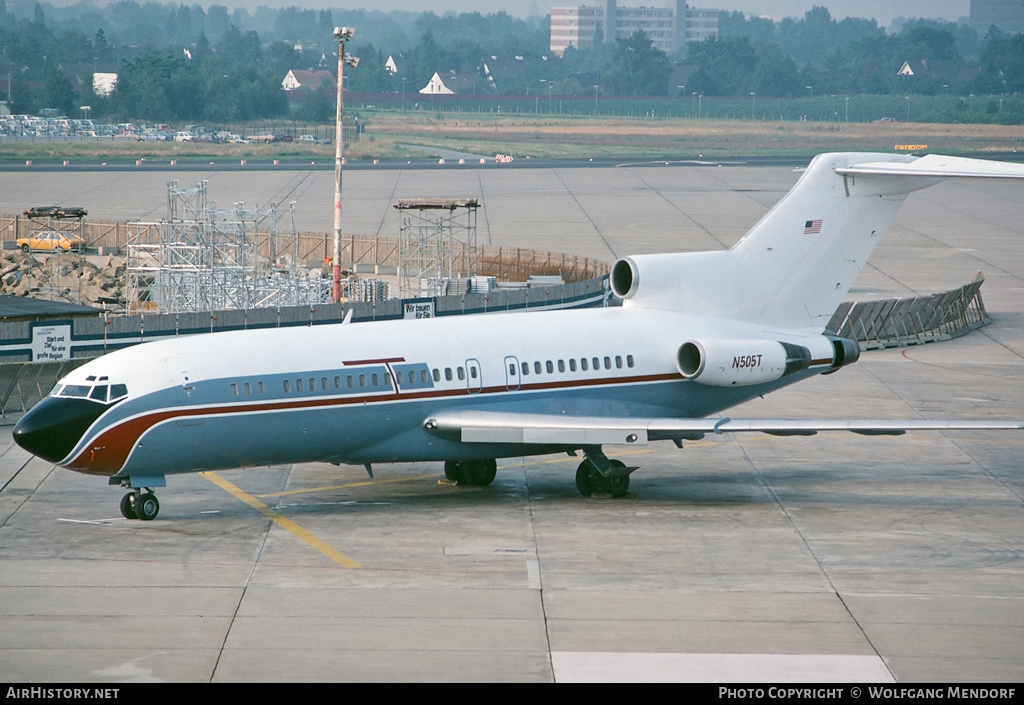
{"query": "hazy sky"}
(881, 10)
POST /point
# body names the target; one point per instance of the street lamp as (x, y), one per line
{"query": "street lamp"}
(595, 99)
(700, 98)
(847, 108)
(342, 35)
(752, 96)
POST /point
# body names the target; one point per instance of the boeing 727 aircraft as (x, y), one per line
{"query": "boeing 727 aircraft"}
(697, 333)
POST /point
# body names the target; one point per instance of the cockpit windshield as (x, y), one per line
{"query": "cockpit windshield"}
(96, 389)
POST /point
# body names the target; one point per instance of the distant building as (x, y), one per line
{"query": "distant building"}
(1005, 15)
(309, 79)
(668, 27)
(436, 86)
(103, 83)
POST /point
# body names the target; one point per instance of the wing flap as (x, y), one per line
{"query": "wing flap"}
(470, 426)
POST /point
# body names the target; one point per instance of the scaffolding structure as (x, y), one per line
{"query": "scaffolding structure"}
(203, 258)
(56, 279)
(437, 243)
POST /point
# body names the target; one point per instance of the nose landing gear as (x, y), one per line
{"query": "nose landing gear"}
(140, 504)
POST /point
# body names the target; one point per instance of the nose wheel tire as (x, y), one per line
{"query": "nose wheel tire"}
(147, 507)
(128, 506)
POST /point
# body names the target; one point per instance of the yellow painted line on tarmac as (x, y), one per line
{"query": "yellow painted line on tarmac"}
(364, 483)
(282, 521)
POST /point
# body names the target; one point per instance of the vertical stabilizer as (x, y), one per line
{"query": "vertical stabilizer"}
(793, 268)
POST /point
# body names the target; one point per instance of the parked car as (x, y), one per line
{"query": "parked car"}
(50, 241)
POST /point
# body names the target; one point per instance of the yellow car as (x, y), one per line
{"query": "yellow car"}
(51, 240)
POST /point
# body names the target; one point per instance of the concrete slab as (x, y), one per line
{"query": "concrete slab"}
(831, 558)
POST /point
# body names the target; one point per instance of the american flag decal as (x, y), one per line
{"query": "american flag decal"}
(812, 227)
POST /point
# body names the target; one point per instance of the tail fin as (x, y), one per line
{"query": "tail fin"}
(793, 268)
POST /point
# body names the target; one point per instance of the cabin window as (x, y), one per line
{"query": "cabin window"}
(629, 360)
(234, 389)
(99, 393)
(247, 388)
(423, 376)
(362, 380)
(323, 383)
(549, 366)
(583, 364)
(117, 391)
(561, 365)
(374, 380)
(526, 368)
(618, 362)
(401, 377)
(461, 373)
(607, 363)
(350, 381)
(437, 375)
(512, 370)
(472, 372)
(597, 364)
(448, 373)
(298, 385)
(312, 384)
(572, 364)
(536, 367)
(387, 381)
(287, 386)
(337, 381)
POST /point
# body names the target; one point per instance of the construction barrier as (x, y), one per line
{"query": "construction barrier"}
(920, 319)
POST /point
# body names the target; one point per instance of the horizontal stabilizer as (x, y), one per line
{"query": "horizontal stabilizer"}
(470, 426)
(939, 166)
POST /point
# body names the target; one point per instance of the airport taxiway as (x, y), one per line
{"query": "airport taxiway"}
(748, 558)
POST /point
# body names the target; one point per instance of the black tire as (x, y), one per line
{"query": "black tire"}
(480, 473)
(147, 507)
(617, 486)
(585, 478)
(453, 471)
(128, 506)
(26, 249)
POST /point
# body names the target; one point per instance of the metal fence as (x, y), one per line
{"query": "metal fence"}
(920, 319)
(365, 254)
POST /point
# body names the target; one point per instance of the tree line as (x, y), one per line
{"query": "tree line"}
(186, 63)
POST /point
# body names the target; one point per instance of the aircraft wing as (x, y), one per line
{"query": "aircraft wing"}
(938, 166)
(470, 426)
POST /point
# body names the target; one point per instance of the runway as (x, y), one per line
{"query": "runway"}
(835, 558)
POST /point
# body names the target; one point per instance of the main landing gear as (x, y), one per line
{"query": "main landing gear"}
(476, 473)
(140, 504)
(599, 474)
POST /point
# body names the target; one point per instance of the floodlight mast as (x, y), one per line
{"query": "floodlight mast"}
(341, 35)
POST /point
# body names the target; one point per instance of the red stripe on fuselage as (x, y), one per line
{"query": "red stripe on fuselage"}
(107, 453)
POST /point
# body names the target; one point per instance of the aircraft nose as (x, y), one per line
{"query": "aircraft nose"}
(52, 428)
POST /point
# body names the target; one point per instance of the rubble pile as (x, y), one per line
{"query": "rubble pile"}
(90, 280)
